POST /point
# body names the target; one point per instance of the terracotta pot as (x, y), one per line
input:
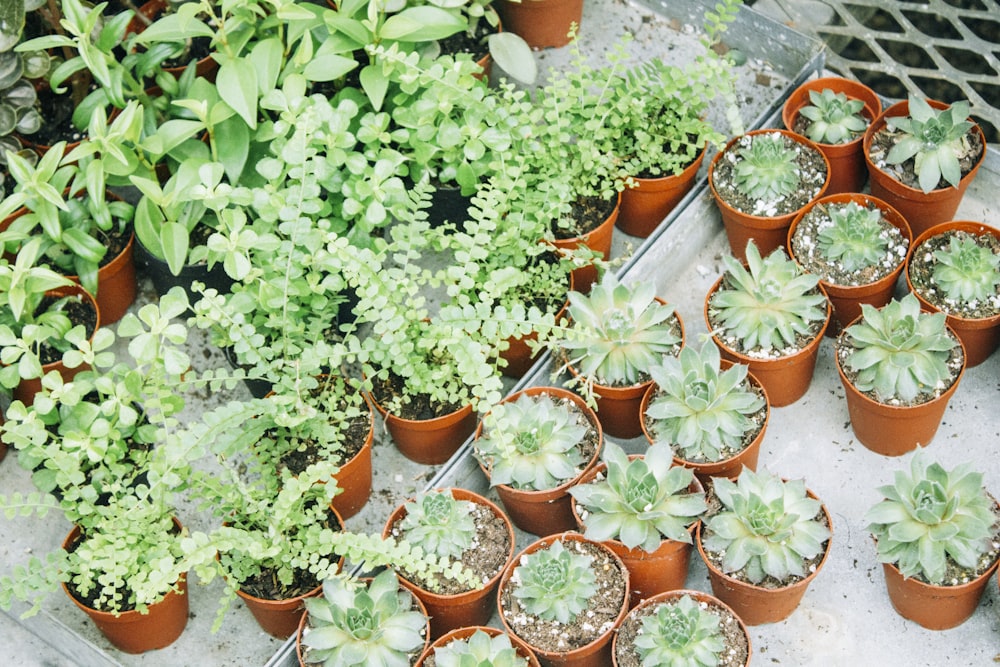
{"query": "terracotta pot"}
(518, 356)
(921, 210)
(934, 607)
(541, 23)
(979, 336)
(784, 379)
(729, 468)
(549, 511)
(429, 441)
(846, 300)
(522, 649)
(116, 284)
(650, 573)
(767, 232)
(135, 632)
(596, 653)
(598, 239)
(847, 162)
(892, 430)
(475, 607)
(619, 648)
(754, 604)
(645, 206)
(355, 477)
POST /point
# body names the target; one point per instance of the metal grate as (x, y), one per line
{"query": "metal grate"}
(945, 49)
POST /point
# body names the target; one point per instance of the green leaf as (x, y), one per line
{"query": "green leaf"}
(233, 139)
(375, 84)
(512, 54)
(174, 239)
(421, 24)
(237, 85)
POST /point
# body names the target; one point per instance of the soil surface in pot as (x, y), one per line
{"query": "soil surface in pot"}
(475, 45)
(883, 140)
(353, 432)
(420, 407)
(587, 214)
(956, 575)
(79, 312)
(922, 266)
(57, 110)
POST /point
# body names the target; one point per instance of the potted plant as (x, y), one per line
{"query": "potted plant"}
(17, 89)
(899, 367)
(760, 181)
(921, 156)
(644, 510)
(771, 316)
(765, 528)
(682, 627)
(936, 534)
(478, 645)
(533, 447)
(616, 334)
(712, 412)
(954, 267)
(564, 595)
(542, 23)
(857, 244)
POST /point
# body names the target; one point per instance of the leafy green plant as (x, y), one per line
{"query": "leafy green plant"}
(966, 270)
(554, 583)
(768, 527)
(898, 352)
(855, 238)
(765, 168)
(479, 650)
(932, 516)
(23, 287)
(833, 117)
(439, 523)
(641, 502)
(679, 633)
(18, 115)
(702, 410)
(934, 139)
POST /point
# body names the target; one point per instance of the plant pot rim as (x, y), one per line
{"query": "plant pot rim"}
(852, 88)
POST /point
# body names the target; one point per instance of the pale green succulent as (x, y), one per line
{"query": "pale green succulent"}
(352, 624)
(680, 634)
(768, 527)
(439, 523)
(967, 271)
(768, 304)
(898, 351)
(642, 502)
(766, 168)
(479, 650)
(701, 410)
(855, 238)
(532, 443)
(932, 515)
(554, 583)
(833, 117)
(934, 138)
(619, 331)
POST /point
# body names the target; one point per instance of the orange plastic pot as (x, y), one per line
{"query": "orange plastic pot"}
(598, 240)
(429, 441)
(355, 478)
(518, 355)
(541, 23)
(523, 650)
(645, 206)
(116, 284)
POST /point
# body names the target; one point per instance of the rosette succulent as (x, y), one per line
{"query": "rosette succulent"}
(680, 634)
(532, 443)
(965, 270)
(833, 117)
(351, 624)
(768, 527)
(769, 303)
(933, 515)
(641, 502)
(619, 331)
(439, 523)
(766, 168)
(554, 583)
(898, 352)
(701, 410)
(479, 650)
(854, 238)
(934, 138)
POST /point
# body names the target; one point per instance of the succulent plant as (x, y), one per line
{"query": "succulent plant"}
(619, 331)
(932, 515)
(439, 523)
(833, 117)
(855, 238)
(965, 270)
(701, 410)
(640, 502)
(898, 351)
(554, 583)
(769, 303)
(479, 650)
(18, 70)
(680, 633)
(768, 527)
(356, 625)
(766, 168)
(532, 443)
(934, 138)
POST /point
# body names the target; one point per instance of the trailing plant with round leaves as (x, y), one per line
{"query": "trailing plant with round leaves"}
(554, 583)
(700, 409)
(681, 634)
(641, 502)
(934, 139)
(766, 168)
(899, 352)
(439, 524)
(932, 515)
(479, 650)
(833, 117)
(967, 271)
(855, 238)
(767, 527)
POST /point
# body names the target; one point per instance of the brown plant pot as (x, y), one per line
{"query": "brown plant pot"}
(519, 356)
(522, 649)
(598, 239)
(545, 512)
(355, 477)
(847, 162)
(934, 607)
(980, 336)
(731, 467)
(784, 379)
(921, 210)
(597, 653)
(769, 233)
(450, 612)
(645, 206)
(846, 300)
(116, 284)
(754, 604)
(429, 441)
(541, 23)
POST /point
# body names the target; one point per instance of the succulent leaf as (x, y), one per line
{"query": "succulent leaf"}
(834, 118)
(683, 633)
(555, 583)
(439, 523)
(766, 168)
(966, 270)
(935, 139)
